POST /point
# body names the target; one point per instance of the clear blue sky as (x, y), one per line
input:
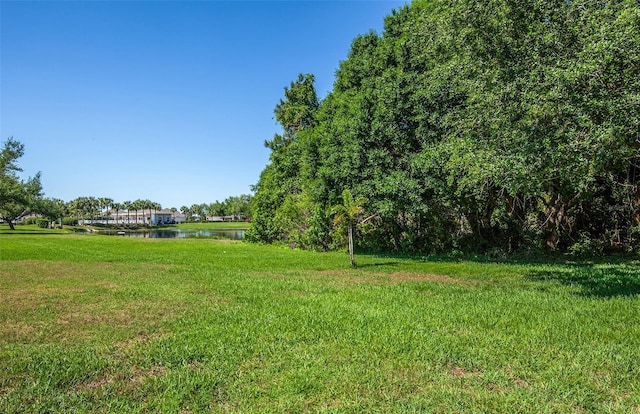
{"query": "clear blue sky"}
(161, 100)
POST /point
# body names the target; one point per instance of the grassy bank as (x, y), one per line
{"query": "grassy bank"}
(32, 229)
(92, 323)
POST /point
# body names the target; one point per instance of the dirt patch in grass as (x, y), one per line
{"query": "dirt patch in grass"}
(141, 375)
(356, 277)
(94, 315)
(142, 338)
(132, 380)
(94, 384)
(515, 378)
(400, 277)
(18, 329)
(461, 372)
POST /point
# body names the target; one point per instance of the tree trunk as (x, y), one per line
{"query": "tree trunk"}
(553, 229)
(353, 261)
(558, 223)
(11, 226)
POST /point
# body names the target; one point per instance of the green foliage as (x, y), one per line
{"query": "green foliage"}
(43, 223)
(30, 220)
(350, 211)
(347, 216)
(276, 215)
(51, 208)
(474, 125)
(70, 221)
(18, 197)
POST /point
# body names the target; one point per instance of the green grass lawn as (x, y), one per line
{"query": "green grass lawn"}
(91, 323)
(32, 229)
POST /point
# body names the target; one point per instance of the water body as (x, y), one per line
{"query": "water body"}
(230, 234)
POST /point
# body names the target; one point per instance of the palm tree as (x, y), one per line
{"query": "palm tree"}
(198, 210)
(145, 204)
(187, 213)
(103, 204)
(127, 205)
(89, 207)
(149, 205)
(74, 208)
(79, 207)
(138, 205)
(134, 207)
(117, 207)
(347, 214)
(155, 206)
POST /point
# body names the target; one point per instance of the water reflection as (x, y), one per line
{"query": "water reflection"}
(230, 234)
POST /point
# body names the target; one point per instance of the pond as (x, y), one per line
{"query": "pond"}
(230, 234)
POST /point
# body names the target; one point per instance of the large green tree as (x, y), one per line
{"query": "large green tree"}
(282, 176)
(18, 197)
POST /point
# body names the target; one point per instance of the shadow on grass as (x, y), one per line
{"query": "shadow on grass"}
(600, 282)
(377, 264)
(31, 232)
(598, 277)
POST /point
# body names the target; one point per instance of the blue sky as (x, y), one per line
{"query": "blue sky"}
(161, 100)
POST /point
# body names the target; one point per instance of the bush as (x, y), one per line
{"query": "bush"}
(42, 223)
(586, 246)
(70, 221)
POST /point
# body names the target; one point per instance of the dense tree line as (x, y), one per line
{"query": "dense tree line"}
(238, 207)
(100, 208)
(468, 125)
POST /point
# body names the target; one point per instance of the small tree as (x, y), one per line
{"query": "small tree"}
(51, 208)
(348, 215)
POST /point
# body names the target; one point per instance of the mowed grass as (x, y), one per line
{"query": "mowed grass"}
(92, 323)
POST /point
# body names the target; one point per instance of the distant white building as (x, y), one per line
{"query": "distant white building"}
(167, 216)
(164, 216)
(225, 218)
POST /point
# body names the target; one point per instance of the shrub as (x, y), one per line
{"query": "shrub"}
(587, 246)
(42, 223)
(30, 220)
(70, 221)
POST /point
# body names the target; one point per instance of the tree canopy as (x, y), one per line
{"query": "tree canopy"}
(468, 125)
(17, 197)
